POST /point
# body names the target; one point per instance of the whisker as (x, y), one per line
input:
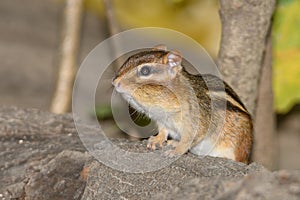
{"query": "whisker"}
(133, 113)
(136, 117)
(136, 114)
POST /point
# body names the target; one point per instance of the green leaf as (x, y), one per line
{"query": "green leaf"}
(286, 40)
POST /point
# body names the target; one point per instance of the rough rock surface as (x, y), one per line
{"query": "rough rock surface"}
(42, 157)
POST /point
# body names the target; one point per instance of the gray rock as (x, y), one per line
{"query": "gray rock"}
(42, 157)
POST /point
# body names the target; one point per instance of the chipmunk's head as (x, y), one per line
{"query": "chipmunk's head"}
(153, 66)
(143, 76)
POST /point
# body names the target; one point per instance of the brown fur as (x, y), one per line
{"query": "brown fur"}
(151, 95)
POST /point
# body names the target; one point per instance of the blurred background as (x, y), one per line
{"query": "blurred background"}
(31, 38)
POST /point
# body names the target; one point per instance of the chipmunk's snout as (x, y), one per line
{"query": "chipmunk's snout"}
(117, 84)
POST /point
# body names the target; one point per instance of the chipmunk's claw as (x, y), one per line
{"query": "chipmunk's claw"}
(155, 142)
(172, 143)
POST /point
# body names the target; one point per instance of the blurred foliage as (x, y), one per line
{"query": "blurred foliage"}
(198, 19)
(103, 112)
(95, 6)
(286, 47)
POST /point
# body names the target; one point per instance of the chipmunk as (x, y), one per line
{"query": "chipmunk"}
(155, 82)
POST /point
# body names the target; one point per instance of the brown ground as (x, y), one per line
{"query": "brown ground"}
(29, 39)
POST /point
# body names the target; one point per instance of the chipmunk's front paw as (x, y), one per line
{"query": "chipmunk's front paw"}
(155, 142)
(172, 143)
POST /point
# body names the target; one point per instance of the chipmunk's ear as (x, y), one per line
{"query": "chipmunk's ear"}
(173, 60)
(160, 47)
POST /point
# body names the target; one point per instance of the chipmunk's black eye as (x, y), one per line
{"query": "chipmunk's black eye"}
(145, 70)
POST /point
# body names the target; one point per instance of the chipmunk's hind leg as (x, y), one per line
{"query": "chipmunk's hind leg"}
(207, 147)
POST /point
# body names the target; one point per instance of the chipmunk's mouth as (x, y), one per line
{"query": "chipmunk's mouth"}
(127, 97)
(120, 90)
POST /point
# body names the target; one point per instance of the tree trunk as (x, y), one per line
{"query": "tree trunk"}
(245, 26)
(265, 140)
